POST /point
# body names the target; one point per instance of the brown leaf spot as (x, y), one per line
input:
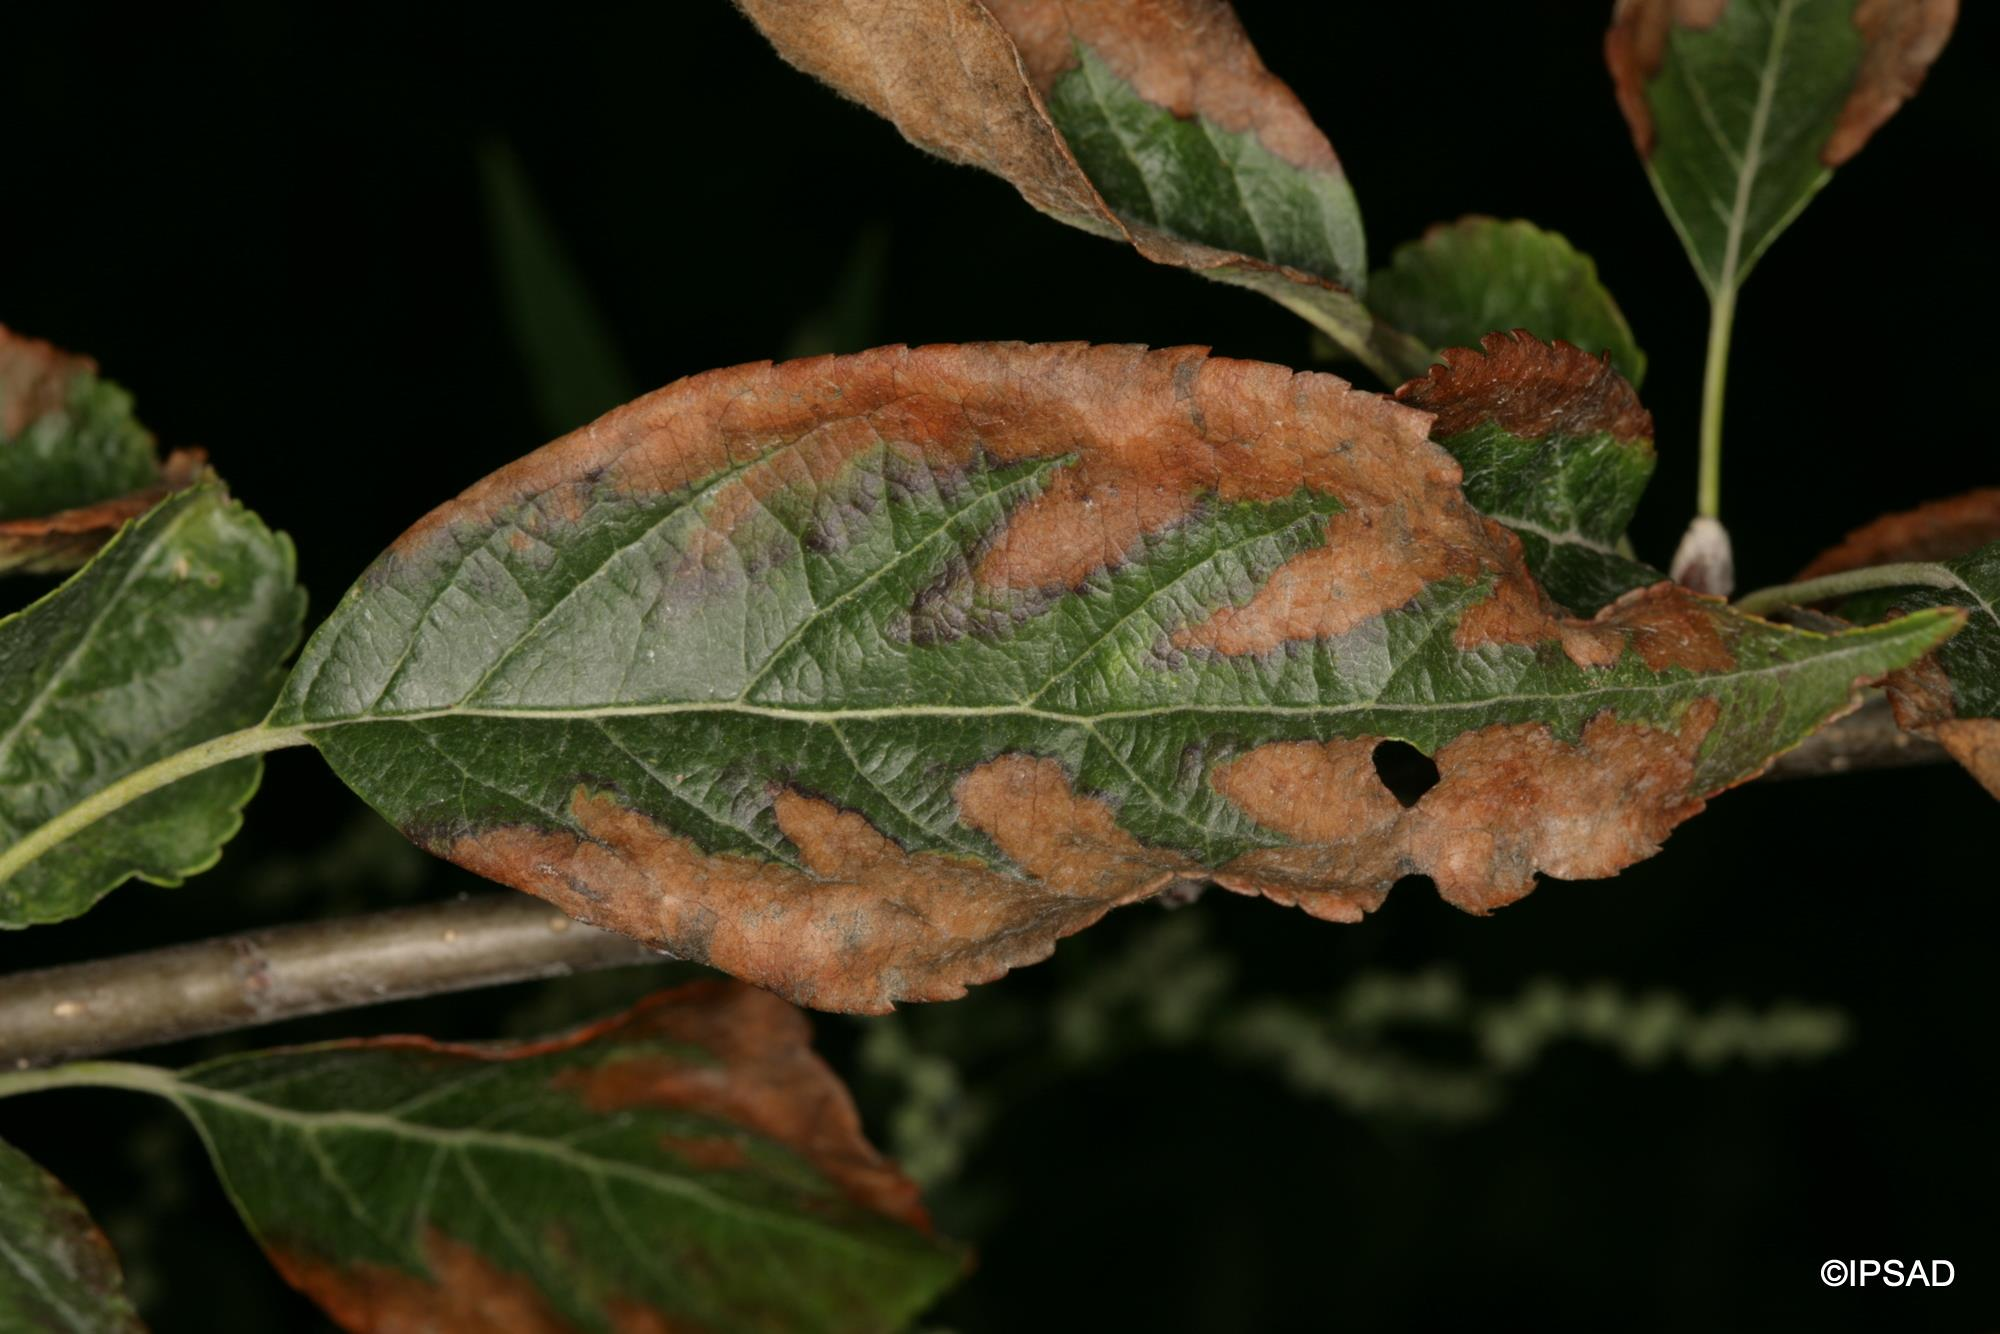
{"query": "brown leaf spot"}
(465, 1293)
(1936, 530)
(863, 925)
(1900, 40)
(1190, 56)
(1668, 627)
(1510, 800)
(1530, 389)
(1373, 562)
(1069, 842)
(761, 1075)
(1636, 46)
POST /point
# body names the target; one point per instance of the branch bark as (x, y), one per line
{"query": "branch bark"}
(261, 977)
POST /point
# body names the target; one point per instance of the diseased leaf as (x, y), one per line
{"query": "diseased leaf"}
(74, 464)
(688, 1165)
(1152, 122)
(572, 361)
(867, 678)
(1742, 108)
(1466, 279)
(173, 635)
(57, 1272)
(1937, 530)
(1556, 446)
(1952, 696)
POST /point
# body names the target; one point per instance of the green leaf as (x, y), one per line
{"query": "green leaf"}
(1556, 446)
(1186, 175)
(574, 369)
(1093, 114)
(57, 1272)
(1742, 109)
(174, 636)
(74, 464)
(1477, 276)
(869, 677)
(688, 1165)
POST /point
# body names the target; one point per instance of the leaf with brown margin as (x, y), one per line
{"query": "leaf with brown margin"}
(867, 678)
(1952, 696)
(653, 1171)
(1152, 121)
(57, 1271)
(1741, 109)
(1556, 446)
(1934, 530)
(74, 465)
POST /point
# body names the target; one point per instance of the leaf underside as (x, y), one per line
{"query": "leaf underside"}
(174, 634)
(74, 463)
(688, 1165)
(1155, 123)
(866, 678)
(1466, 279)
(57, 1272)
(1742, 109)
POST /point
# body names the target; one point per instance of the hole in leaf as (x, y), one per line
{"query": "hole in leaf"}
(1406, 771)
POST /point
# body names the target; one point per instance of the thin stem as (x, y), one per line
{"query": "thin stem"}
(182, 764)
(91, 1074)
(1722, 316)
(262, 977)
(1907, 574)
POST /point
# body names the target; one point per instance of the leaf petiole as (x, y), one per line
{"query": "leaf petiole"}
(1906, 574)
(182, 764)
(91, 1074)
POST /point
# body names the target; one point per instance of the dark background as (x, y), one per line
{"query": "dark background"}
(269, 224)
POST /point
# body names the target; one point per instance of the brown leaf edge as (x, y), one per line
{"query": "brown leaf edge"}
(51, 543)
(756, 1070)
(863, 922)
(1901, 39)
(951, 77)
(1934, 530)
(1921, 695)
(1530, 389)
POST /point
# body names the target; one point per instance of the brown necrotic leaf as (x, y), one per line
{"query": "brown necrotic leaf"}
(1935, 530)
(688, 1165)
(867, 678)
(74, 464)
(1153, 122)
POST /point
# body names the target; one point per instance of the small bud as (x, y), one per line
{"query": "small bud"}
(1704, 561)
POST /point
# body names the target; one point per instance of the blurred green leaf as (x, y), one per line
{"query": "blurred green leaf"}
(57, 1272)
(566, 347)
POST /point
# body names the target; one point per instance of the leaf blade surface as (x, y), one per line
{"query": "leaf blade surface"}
(867, 678)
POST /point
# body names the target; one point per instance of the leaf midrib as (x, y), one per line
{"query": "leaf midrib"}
(1700, 683)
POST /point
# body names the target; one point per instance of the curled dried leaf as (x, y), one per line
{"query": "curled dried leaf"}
(867, 678)
(1935, 530)
(1153, 122)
